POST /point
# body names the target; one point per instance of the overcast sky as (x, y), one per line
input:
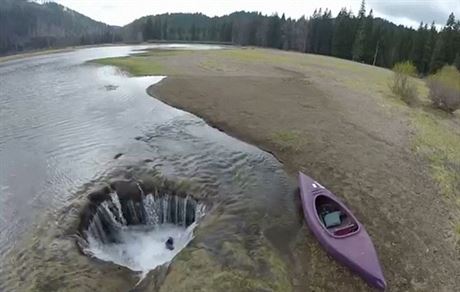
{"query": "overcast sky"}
(406, 12)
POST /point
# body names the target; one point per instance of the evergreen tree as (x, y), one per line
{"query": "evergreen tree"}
(274, 32)
(438, 57)
(325, 32)
(314, 31)
(287, 32)
(342, 40)
(457, 44)
(359, 45)
(148, 29)
(164, 34)
(284, 42)
(301, 40)
(450, 34)
(193, 32)
(377, 44)
(252, 37)
(157, 28)
(444, 50)
(369, 41)
(430, 43)
(418, 47)
(226, 32)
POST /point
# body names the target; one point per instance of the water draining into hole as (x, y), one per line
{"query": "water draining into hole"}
(130, 228)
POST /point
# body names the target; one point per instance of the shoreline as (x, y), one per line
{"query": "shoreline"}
(35, 53)
(221, 127)
(42, 52)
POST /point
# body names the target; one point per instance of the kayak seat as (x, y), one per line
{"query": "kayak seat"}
(346, 230)
(332, 219)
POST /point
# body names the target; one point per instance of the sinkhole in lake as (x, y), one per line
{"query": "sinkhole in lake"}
(129, 223)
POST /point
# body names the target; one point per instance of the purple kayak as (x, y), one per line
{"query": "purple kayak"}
(339, 232)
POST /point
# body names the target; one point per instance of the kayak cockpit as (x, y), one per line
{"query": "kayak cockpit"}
(334, 218)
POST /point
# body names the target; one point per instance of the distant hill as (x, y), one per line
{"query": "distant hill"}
(26, 25)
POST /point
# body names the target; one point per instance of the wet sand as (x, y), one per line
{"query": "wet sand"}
(332, 120)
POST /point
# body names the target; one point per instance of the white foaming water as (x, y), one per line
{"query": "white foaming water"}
(142, 247)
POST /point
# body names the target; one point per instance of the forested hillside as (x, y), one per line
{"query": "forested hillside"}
(28, 25)
(362, 38)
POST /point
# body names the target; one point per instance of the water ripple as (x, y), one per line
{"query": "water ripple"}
(61, 129)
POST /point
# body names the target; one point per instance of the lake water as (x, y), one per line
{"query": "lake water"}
(63, 121)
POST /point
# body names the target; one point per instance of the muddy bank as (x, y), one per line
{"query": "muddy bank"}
(347, 140)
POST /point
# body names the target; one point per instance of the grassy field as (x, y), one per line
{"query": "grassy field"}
(145, 63)
(137, 66)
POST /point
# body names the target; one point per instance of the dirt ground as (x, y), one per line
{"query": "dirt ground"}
(336, 121)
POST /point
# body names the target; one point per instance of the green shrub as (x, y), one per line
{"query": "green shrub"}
(445, 89)
(402, 85)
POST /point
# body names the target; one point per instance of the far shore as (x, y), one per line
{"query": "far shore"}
(40, 52)
(48, 51)
(29, 54)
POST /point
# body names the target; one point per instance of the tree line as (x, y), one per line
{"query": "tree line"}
(361, 37)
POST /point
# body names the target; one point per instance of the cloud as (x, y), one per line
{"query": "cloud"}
(417, 10)
(407, 12)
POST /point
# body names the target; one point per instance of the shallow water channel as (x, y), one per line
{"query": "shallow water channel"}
(66, 125)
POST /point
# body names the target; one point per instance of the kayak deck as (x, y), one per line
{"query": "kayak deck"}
(339, 232)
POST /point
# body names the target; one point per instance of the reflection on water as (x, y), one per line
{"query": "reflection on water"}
(62, 124)
(61, 128)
